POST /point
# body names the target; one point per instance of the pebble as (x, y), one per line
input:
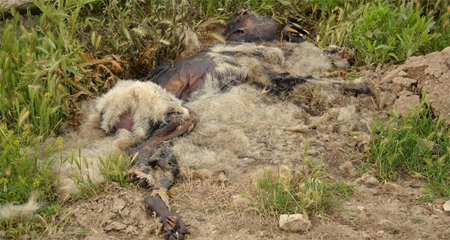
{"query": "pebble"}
(115, 226)
(119, 204)
(368, 180)
(447, 206)
(294, 223)
(385, 222)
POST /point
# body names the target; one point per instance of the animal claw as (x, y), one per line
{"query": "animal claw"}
(174, 228)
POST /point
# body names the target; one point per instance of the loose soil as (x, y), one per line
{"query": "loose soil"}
(213, 197)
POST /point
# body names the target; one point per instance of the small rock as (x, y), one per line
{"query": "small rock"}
(119, 204)
(437, 74)
(405, 93)
(294, 223)
(402, 73)
(124, 212)
(107, 219)
(402, 81)
(381, 232)
(115, 226)
(368, 180)
(131, 230)
(386, 99)
(19, 5)
(447, 206)
(385, 222)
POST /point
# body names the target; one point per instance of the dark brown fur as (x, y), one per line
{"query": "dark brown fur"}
(249, 27)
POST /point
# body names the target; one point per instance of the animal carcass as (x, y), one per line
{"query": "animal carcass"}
(151, 111)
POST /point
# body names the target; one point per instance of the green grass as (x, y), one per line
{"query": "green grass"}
(386, 34)
(47, 220)
(295, 192)
(416, 145)
(382, 31)
(21, 173)
(113, 167)
(38, 60)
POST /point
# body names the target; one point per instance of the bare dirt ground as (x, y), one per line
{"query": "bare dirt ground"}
(229, 149)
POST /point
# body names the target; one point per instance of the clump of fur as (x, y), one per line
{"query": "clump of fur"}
(348, 169)
(235, 128)
(8, 211)
(306, 60)
(250, 61)
(242, 125)
(147, 102)
(188, 41)
(79, 161)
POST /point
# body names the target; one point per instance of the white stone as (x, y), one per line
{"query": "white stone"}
(447, 206)
(294, 223)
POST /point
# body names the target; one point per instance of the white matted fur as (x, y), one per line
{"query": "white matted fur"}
(189, 41)
(250, 60)
(8, 211)
(233, 128)
(147, 102)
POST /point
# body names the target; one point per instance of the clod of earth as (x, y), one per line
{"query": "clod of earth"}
(294, 223)
(408, 81)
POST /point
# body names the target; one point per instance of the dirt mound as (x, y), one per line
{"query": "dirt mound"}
(219, 210)
(117, 213)
(408, 81)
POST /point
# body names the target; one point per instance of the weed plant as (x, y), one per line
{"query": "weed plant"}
(291, 192)
(49, 219)
(385, 34)
(382, 31)
(114, 168)
(38, 60)
(417, 145)
(22, 175)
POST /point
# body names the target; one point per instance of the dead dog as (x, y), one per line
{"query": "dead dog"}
(147, 114)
